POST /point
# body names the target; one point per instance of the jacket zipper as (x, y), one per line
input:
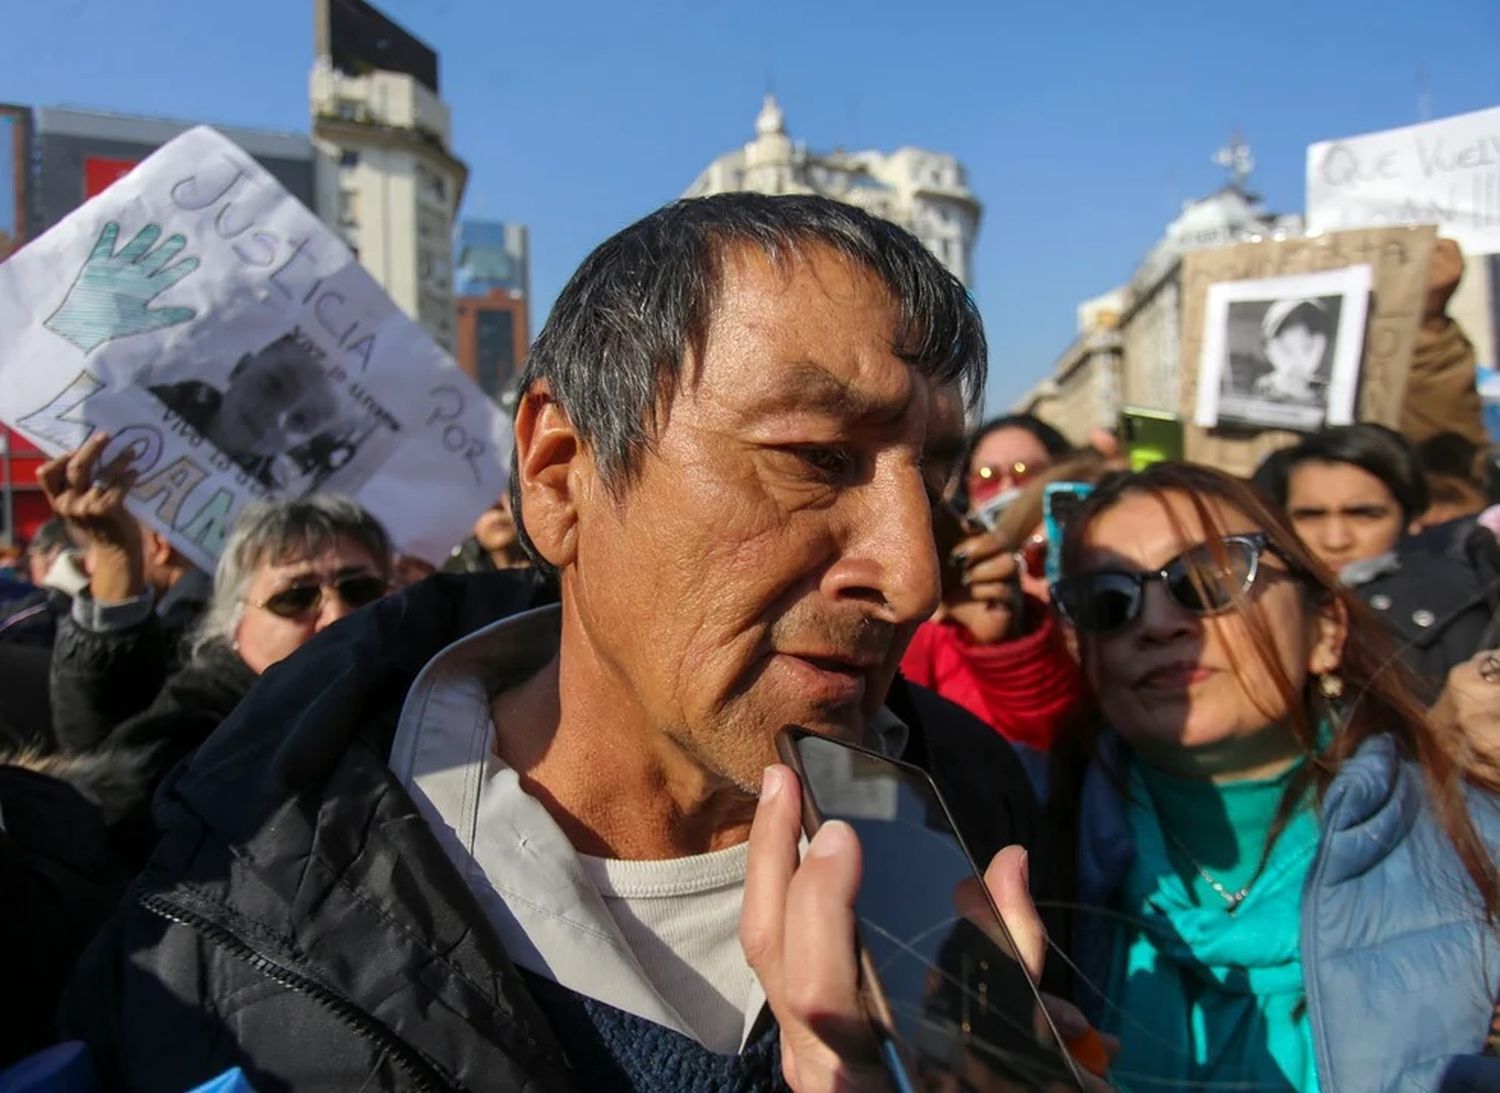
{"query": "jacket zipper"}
(424, 1075)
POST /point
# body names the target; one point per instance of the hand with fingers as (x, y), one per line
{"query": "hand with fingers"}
(111, 296)
(986, 599)
(1467, 713)
(798, 931)
(91, 499)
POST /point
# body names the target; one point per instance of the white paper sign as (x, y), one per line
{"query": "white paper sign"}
(1283, 352)
(214, 326)
(1444, 172)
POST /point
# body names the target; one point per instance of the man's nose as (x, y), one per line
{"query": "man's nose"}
(1336, 536)
(890, 558)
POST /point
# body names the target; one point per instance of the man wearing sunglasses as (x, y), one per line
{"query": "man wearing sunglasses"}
(435, 850)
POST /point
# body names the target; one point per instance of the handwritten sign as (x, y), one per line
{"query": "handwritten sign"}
(219, 331)
(1444, 172)
(1399, 261)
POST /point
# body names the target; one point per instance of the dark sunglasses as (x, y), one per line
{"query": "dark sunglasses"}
(302, 600)
(1107, 600)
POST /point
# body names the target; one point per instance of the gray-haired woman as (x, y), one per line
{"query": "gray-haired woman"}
(289, 570)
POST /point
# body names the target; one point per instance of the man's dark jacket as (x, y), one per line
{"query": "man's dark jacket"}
(98, 680)
(299, 918)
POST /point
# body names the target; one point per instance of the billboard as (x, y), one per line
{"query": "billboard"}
(102, 172)
(357, 39)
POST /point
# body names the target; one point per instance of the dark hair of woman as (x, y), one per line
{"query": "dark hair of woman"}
(1374, 449)
(1379, 689)
(1054, 442)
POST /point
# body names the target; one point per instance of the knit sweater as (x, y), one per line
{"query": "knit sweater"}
(611, 1050)
(1024, 689)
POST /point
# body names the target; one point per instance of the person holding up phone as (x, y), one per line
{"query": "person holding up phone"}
(1285, 875)
(455, 846)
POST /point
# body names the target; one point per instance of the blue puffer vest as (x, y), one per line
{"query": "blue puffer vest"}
(1402, 972)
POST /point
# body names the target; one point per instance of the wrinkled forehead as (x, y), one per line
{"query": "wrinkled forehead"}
(816, 331)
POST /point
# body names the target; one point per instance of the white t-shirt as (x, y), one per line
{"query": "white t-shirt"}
(658, 939)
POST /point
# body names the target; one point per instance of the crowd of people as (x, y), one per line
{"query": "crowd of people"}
(1229, 748)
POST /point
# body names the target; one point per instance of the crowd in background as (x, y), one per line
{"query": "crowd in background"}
(1216, 688)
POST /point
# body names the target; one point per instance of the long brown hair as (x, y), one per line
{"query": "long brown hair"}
(1380, 691)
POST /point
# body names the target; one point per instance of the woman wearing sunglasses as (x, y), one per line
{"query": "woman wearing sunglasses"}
(288, 570)
(1284, 875)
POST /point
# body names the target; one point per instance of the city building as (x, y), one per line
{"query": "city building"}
(1082, 392)
(492, 279)
(387, 179)
(79, 153)
(1127, 352)
(924, 192)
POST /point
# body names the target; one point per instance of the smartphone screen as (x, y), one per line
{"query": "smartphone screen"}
(962, 1009)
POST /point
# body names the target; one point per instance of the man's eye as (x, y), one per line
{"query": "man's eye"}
(829, 463)
(1371, 514)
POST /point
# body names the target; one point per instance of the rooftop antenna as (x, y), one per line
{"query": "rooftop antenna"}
(1424, 95)
(1235, 157)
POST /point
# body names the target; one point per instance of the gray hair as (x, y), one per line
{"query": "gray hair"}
(612, 349)
(278, 532)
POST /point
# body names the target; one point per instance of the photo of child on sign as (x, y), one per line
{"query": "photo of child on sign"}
(280, 417)
(1283, 352)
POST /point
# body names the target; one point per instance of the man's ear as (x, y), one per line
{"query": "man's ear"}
(1330, 629)
(550, 460)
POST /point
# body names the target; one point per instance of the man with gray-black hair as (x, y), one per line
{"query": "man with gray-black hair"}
(448, 845)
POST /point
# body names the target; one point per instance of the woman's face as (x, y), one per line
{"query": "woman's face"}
(1343, 512)
(1003, 460)
(1190, 693)
(264, 637)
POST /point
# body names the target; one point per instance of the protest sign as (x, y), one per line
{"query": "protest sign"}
(1399, 261)
(219, 331)
(1283, 352)
(1444, 172)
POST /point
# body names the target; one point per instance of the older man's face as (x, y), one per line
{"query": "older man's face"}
(772, 559)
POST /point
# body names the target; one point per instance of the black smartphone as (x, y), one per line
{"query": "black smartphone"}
(951, 1005)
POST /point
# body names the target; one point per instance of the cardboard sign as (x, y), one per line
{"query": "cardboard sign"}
(1444, 172)
(217, 329)
(1399, 259)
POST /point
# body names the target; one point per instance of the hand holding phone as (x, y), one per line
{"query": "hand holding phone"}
(926, 994)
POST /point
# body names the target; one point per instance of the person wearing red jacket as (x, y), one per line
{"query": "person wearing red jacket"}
(995, 651)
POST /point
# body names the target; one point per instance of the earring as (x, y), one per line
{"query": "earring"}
(1330, 686)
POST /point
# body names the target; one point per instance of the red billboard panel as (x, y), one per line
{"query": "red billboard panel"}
(100, 173)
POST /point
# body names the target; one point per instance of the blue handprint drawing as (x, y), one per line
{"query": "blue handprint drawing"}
(110, 297)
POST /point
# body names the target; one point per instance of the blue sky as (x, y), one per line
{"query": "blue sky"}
(1083, 125)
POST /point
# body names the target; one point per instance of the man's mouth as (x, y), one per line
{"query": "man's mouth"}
(834, 679)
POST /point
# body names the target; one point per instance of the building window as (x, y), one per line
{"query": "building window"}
(349, 208)
(494, 350)
(348, 158)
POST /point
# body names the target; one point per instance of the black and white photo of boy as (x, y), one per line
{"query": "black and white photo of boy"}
(1297, 345)
(275, 416)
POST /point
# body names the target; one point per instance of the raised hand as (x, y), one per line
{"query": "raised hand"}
(111, 295)
(91, 498)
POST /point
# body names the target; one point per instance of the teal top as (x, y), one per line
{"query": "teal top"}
(1200, 993)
